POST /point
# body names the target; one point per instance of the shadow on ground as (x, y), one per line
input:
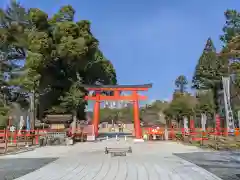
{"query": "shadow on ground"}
(14, 168)
(225, 165)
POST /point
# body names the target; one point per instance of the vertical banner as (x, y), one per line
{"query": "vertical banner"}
(185, 125)
(227, 104)
(28, 128)
(238, 119)
(21, 124)
(203, 121)
(28, 123)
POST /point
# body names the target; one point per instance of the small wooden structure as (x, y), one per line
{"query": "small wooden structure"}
(58, 121)
(57, 133)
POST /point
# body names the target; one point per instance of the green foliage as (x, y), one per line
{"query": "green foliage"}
(231, 51)
(149, 113)
(232, 26)
(74, 98)
(122, 114)
(3, 114)
(13, 21)
(180, 106)
(57, 51)
(205, 103)
(181, 83)
(107, 114)
(210, 69)
(157, 106)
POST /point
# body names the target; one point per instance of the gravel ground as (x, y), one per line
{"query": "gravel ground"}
(225, 165)
(14, 168)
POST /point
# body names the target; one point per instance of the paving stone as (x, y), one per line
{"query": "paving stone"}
(87, 161)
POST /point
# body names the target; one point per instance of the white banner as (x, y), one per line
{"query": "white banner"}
(203, 121)
(185, 124)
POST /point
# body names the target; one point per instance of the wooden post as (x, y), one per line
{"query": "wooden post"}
(15, 137)
(37, 137)
(138, 133)
(202, 137)
(192, 126)
(218, 125)
(5, 140)
(96, 113)
(25, 137)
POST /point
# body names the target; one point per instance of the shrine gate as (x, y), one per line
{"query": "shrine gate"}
(117, 89)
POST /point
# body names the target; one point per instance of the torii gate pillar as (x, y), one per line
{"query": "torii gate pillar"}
(134, 97)
(137, 125)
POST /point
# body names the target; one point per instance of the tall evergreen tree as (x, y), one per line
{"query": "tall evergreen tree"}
(181, 83)
(210, 70)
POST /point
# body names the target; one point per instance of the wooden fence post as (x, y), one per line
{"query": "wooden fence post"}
(5, 140)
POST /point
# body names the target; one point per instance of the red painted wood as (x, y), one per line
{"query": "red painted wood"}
(112, 98)
(138, 131)
(135, 97)
(96, 112)
(117, 89)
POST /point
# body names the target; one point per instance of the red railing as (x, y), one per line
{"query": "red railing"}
(197, 134)
(6, 136)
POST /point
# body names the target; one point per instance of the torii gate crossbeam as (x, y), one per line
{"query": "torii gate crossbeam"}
(134, 97)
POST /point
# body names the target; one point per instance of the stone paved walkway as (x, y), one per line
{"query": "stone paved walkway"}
(87, 161)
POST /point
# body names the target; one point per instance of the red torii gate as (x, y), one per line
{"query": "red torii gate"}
(134, 97)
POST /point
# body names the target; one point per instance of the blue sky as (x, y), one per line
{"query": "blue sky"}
(149, 41)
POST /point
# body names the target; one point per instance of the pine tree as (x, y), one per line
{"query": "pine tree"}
(210, 70)
(181, 83)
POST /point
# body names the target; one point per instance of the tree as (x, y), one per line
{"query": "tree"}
(148, 114)
(158, 105)
(205, 105)
(232, 26)
(231, 40)
(180, 107)
(210, 70)
(205, 71)
(181, 83)
(59, 51)
(107, 115)
(182, 104)
(205, 102)
(231, 51)
(10, 54)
